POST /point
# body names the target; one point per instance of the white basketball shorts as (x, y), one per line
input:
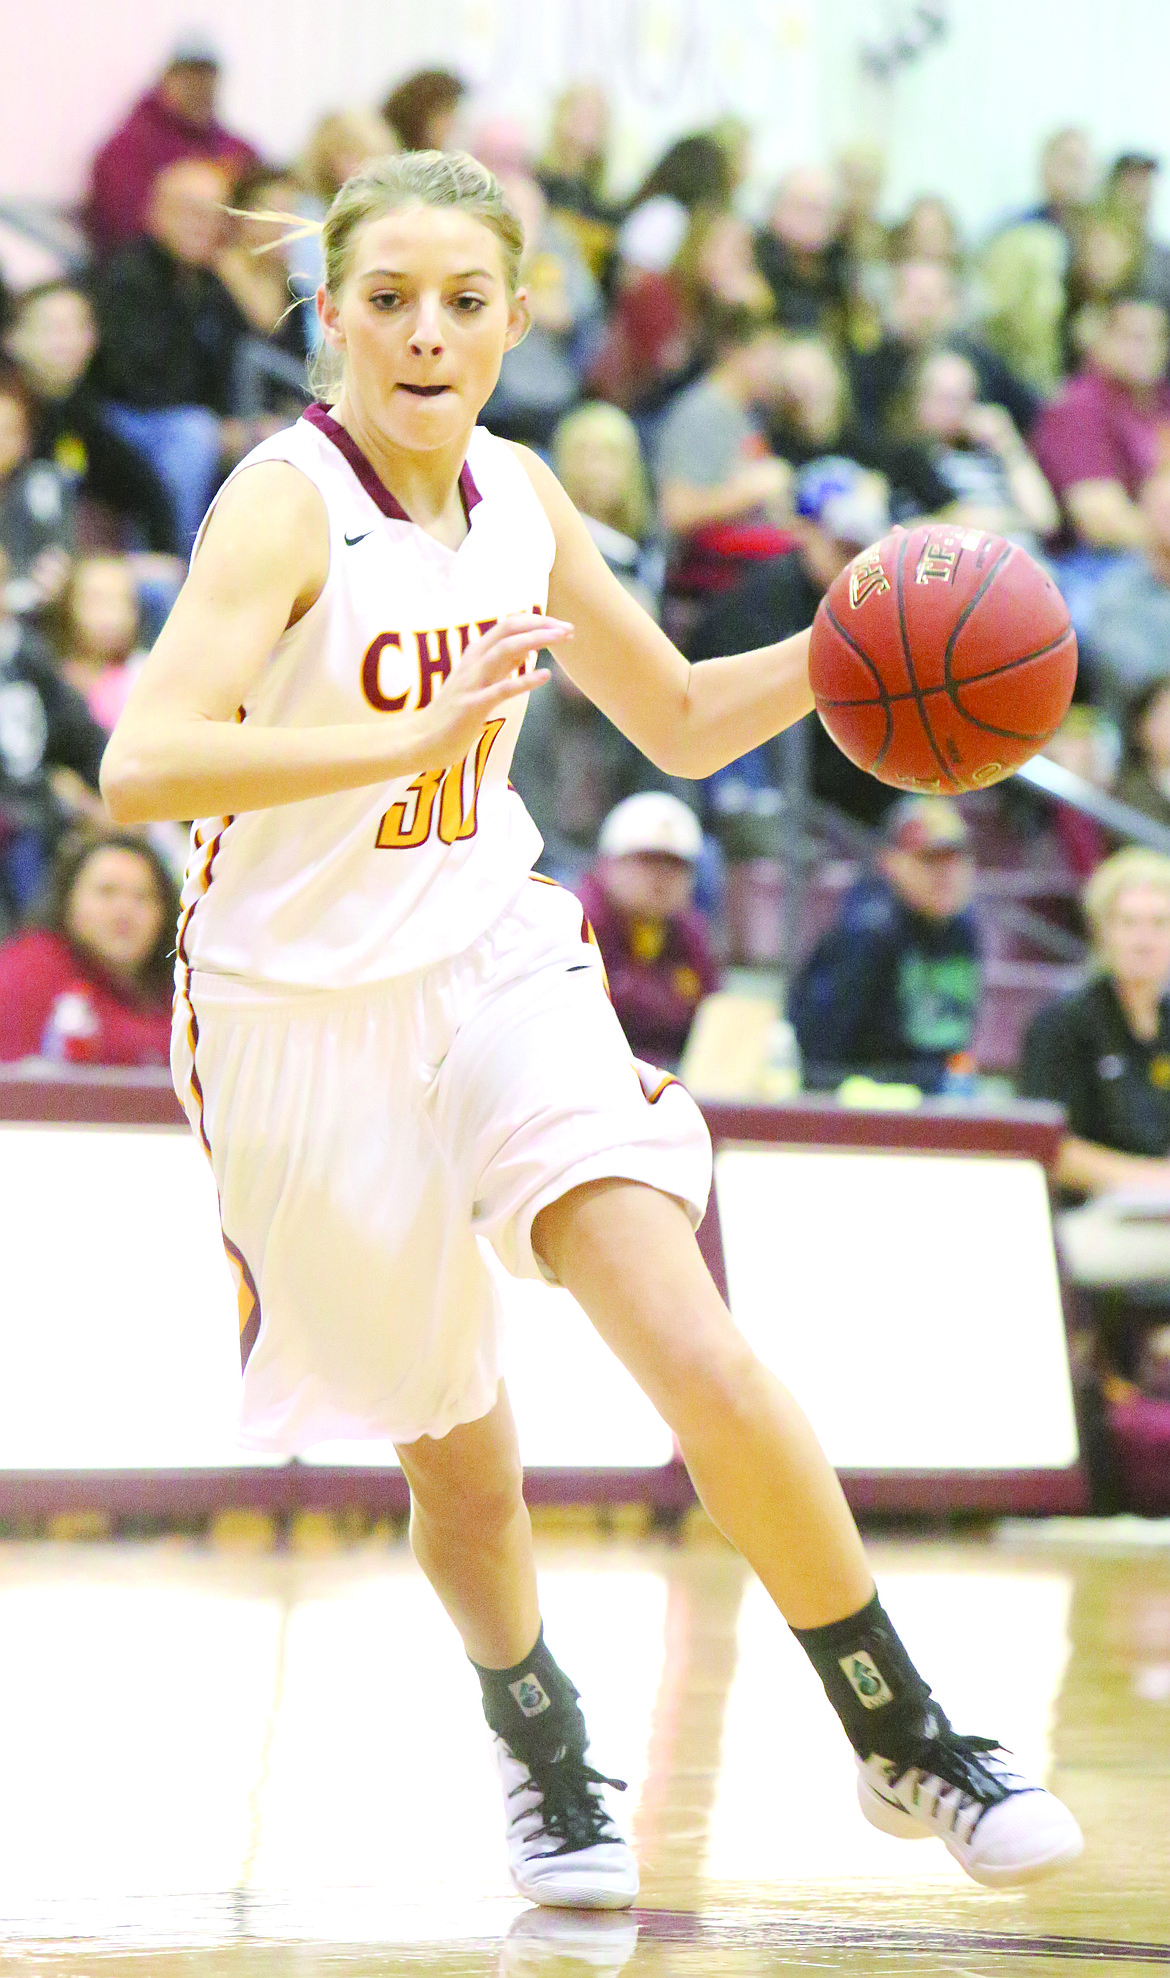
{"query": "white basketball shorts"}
(363, 1139)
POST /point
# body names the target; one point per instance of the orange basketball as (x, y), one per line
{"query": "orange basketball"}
(942, 658)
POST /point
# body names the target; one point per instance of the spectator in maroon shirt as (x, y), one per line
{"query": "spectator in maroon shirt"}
(92, 983)
(1110, 427)
(638, 898)
(176, 119)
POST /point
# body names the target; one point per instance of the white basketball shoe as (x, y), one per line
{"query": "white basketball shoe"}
(999, 1826)
(563, 1846)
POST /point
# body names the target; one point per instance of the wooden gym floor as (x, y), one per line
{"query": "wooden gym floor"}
(226, 1760)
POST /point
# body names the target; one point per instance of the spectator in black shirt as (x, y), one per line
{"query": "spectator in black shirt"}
(51, 338)
(1103, 1052)
(170, 337)
(50, 753)
(924, 310)
(802, 254)
(36, 508)
(892, 991)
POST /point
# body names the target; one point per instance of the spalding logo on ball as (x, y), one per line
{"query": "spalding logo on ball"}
(942, 658)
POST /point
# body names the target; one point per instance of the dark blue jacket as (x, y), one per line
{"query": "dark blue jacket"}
(886, 992)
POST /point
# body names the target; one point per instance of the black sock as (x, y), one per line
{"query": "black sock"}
(533, 1706)
(871, 1682)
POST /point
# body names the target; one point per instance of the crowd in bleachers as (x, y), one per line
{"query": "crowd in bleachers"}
(737, 397)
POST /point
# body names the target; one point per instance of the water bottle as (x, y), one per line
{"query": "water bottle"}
(782, 1067)
(71, 1033)
(961, 1078)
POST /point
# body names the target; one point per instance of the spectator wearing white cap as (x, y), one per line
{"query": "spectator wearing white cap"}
(891, 991)
(639, 900)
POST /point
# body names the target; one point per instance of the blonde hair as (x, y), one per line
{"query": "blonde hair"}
(1135, 866)
(358, 131)
(411, 178)
(599, 421)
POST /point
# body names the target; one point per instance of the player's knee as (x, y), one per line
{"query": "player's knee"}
(712, 1373)
(470, 1502)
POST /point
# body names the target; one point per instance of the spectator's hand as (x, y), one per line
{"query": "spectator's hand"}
(991, 426)
(767, 483)
(77, 799)
(50, 572)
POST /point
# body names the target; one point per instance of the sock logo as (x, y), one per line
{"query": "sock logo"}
(530, 1696)
(865, 1679)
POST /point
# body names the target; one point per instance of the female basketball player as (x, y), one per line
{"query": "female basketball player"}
(391, 1039)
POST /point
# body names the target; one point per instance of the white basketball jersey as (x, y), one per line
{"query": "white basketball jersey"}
(377, 882)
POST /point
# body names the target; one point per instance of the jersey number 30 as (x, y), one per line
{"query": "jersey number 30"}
(408, 824)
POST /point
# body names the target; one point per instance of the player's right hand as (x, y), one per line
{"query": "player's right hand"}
(484, 679)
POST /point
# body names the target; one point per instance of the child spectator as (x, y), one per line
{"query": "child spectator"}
(170, 337)
(50, 753)
(36, 508)
(992, 479)
(52, 336)
(92, 983)
(96, 634)
(892, 991)
(598, 460)
(839, 507)
(721, 492)
(1105, 434)
(638, 899)
(175, 119)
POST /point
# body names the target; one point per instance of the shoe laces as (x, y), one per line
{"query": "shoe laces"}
(966, 1779)
(571, 1808)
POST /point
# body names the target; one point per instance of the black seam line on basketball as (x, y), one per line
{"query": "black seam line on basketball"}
(920, 700)
(985, 584)
(884, 697)
(926, 693)
(993, 672)
(1038, 652)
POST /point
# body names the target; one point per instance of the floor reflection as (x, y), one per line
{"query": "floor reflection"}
(225, 1763)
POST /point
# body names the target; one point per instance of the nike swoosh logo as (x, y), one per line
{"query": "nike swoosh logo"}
(351, 540)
